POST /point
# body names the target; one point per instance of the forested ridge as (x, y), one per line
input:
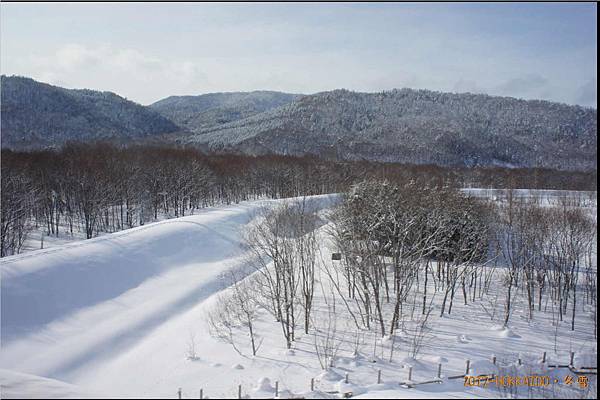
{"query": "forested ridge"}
(415, 126)
(36, 115)
(400, 125)
(99, 187)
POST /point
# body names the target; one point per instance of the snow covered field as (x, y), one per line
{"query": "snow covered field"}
(115, 316)
(39, 239)
(545, 197)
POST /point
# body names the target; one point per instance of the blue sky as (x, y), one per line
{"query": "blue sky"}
(147, 51)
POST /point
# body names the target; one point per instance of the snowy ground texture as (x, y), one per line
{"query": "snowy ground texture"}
(115, 317)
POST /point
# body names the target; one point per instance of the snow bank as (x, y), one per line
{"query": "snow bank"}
(17, 385)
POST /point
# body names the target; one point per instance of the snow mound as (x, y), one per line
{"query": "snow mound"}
(329, 376)
(435, 359)
(508, 333)
(265, 384)
(317, 394)
(289, 352)
(263, 388)
(463, 339)
(408, 362)
(19, 385)
(349, 387)
(386, 339)
(237, 366)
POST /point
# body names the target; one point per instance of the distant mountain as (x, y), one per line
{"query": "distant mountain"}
(35, 115)
(198, 113)
(409, 126)
(416, 126)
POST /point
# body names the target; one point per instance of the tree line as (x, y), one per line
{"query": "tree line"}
(95, 188)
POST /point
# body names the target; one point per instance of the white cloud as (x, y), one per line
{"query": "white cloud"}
(72, 56)
(130, 60)
(185, 72)
(126, 71)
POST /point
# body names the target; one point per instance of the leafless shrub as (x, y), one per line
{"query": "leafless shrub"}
(327, 339)
(236, 310)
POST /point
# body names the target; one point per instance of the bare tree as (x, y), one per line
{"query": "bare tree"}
(235, 310)
(222, 322)
(18, 194)
(282, 248)
(191, 352)
(327, 338)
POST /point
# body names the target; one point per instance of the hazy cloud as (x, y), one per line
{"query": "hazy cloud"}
(467, 86)
(149, 51)
(523, 86)
(72, 64)
(588, 93)
(73, 56)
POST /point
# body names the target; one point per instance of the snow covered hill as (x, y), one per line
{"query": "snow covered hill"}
(71, 310)
(415, 126)
(38, 115)
(198, 113)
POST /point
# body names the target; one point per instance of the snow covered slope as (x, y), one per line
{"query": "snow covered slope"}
(73, 308)
(15, 385)
(116, 317)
